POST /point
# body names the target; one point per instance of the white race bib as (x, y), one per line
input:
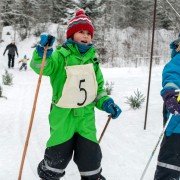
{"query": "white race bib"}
(80, 88)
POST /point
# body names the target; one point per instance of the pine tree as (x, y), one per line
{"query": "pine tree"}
(94, 9)
(7, 15)
(7, 78)
(114, 14)
(24, 10)
(135, 101)
(162, 18)
(19, 14)
(62, 11)
(166, 17)
(137, 13)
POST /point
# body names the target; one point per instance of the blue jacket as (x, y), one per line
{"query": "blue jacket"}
(171, 80)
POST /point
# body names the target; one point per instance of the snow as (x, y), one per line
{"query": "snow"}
(126, 146)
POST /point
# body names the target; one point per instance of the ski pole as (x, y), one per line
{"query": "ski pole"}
(160, 137)
(105, 127)
(153, 152)
(32, 113)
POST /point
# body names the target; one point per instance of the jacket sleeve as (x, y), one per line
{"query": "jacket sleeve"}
(51, 63)
(171, 74)
(16, 50)
(6, 49)
(101, 94)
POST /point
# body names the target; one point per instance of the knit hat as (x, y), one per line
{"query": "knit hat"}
(78, 23)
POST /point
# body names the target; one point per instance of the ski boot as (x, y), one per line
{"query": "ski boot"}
(101, 178)
(87, 178)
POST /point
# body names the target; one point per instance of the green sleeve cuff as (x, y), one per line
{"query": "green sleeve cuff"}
(100, 102)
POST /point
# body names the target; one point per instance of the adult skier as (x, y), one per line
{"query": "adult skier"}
(11, 48)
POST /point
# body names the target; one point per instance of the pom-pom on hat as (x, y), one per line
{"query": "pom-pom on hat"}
(78, 23)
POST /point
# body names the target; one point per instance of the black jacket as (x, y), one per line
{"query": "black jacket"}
(11, 49)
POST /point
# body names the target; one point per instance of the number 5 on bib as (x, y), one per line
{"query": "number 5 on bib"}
(80, 88)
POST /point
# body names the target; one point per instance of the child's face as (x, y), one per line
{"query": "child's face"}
(83, 37)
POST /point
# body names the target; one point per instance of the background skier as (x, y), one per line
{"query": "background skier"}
(24, 63)
(11, 48)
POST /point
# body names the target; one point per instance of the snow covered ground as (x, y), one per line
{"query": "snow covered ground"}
(126, 146)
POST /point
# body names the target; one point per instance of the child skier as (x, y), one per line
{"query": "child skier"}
(168, 165)
(77, 84)
(24, 63)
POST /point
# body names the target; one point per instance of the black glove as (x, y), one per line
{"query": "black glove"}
(170, 100)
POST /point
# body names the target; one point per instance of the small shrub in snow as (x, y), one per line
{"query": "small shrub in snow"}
(7, 78)
(135, 101)
(109, 87)
(8, 33)
(1, 90)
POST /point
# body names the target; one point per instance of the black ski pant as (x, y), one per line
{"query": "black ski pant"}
(24, 65)
(87, 156)
(168, 166)
(10, 60)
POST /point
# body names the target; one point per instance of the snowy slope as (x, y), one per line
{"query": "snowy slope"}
(126, 146)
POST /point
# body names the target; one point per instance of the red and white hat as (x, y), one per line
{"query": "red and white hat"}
(78, 23)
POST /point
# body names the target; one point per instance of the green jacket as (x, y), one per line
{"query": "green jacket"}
(62, 120)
